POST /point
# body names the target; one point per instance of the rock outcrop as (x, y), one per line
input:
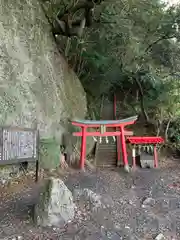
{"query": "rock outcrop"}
(37, 86)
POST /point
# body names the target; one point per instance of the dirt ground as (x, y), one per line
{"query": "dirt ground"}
(139, 205)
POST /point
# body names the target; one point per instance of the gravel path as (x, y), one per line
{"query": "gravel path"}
(139, 205)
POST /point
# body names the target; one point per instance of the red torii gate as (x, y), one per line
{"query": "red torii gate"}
(119, 131)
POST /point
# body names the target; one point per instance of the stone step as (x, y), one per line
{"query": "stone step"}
(106, 152)
(107, 149)
(106, 163)
(109, 143)
(106, 155)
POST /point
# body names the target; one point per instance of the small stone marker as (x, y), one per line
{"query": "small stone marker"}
(147, 161)
(55, 205)
(148, 202)
(160, 237)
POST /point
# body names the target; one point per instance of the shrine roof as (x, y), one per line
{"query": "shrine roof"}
(106, 122)
(145, 140)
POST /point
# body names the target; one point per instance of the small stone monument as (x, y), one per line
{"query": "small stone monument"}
(147, 160)
(55, 206)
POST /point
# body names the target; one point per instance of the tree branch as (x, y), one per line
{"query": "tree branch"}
(65, 25)
(165, 37)
(81, 5)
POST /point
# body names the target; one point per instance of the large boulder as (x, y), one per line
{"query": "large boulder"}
(55, 206)
(37, 86)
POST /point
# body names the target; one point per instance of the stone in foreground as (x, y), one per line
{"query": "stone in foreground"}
(55, 205)
(160, 237)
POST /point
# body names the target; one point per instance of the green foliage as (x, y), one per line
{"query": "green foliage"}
(136, 42)
(174, 134)
(132, 49)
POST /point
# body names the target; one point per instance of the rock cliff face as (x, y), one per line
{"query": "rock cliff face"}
(37, 86)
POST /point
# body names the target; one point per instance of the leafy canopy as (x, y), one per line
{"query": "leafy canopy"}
(132, 48)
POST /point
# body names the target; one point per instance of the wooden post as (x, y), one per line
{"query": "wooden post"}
(37, 171)
(118, 146)
(155, 157)
(83, 148)
(117, 138)
(115, 106)
(134, 157)
(124, 150)
(38, 155)
(118, 143)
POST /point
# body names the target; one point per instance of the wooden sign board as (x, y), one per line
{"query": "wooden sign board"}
(19, 145)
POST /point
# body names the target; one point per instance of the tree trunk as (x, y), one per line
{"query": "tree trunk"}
(166, 131)
(141, 96)
(159, 127)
